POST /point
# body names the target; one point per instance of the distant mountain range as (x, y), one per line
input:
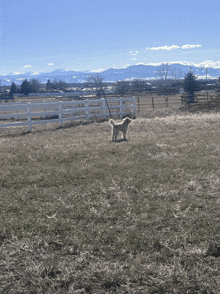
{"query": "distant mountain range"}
(140, 71)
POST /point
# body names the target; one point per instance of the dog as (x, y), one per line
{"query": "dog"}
(119, 127)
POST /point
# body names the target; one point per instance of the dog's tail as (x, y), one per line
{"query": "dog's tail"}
(112, 122)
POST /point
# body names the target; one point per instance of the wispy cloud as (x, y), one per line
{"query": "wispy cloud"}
(190, 46)
(133, 52)
(50, 64)
(27, 66)
(173, 47)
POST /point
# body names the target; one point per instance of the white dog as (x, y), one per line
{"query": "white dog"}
(119, 127)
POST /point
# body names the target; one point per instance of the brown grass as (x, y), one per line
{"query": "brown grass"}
(80, 214)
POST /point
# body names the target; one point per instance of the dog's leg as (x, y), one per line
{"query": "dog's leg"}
(114, 135)
(124, 133)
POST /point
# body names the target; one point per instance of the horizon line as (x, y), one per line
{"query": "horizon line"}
(204, 64)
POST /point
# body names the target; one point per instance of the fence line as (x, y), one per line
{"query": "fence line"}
(159, 102)
(28, 114)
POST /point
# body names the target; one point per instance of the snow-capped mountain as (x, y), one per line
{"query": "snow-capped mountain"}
(140, 71)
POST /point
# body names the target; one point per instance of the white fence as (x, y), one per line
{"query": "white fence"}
(28, 114)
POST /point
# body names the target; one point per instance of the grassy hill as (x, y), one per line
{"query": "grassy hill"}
(81, 214)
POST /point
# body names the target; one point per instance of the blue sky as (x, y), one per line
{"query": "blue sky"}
(45, 35)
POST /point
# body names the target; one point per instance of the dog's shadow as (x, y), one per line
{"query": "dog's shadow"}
(120, 140)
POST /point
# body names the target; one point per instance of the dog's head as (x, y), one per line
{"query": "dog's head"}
(127, 120)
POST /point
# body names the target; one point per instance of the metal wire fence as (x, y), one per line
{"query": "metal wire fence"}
(154, 102)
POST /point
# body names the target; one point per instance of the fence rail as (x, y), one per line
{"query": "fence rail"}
(28, 114)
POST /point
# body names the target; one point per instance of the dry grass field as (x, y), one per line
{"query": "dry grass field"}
(82, 214)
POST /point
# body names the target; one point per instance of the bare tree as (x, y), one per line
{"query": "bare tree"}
(176, 73)
(162, 75)
(138, 86)
(96, 83)
(121, 87)
(62, 85)
(163, 72)
(56, 85)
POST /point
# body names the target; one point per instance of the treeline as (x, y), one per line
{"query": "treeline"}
(166, 82)
(162, 85)
(35, 86)
(95, 84)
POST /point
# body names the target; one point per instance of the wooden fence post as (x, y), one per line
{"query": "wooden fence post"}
(104, 108)
(29, 116)
(45, 108)
(138, 104)
(87, 110)
(61, 113)
(73, 107)
(166, 101)
(121, 107)
(18, 118)
(153, 102)
(134, 106)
